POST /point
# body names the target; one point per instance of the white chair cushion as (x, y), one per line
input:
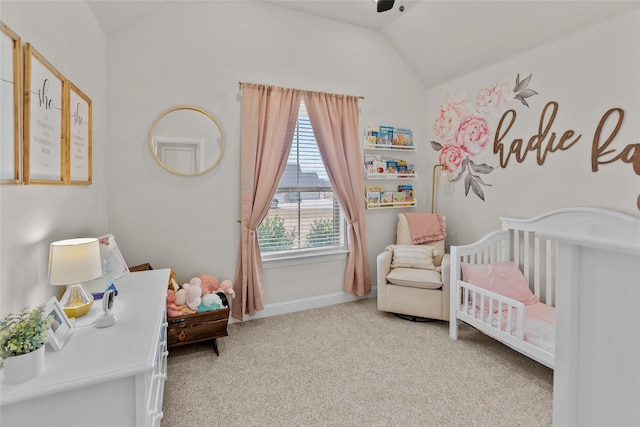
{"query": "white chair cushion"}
(412, 256)
(415, 278)
(403, 237)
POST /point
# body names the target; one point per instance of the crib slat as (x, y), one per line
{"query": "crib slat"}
(516, 246)
(536, 266)
(465, 300)
(527, 256)
(549, 278)
(520, 329)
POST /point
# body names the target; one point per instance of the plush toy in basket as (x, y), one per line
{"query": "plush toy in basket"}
(200, 294)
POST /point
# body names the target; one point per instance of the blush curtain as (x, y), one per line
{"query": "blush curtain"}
(269, 115)
(334, 119)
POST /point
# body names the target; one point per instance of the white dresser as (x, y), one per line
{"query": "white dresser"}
(102, 377)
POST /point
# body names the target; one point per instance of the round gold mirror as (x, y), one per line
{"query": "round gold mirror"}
(186, 140)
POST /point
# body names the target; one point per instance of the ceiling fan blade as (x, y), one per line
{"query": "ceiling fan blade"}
(384, 5)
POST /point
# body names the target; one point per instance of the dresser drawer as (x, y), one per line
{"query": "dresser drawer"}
(197, 327)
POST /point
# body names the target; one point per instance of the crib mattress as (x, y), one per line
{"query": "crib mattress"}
(539, 324)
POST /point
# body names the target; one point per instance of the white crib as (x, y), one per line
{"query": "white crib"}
(518, 241)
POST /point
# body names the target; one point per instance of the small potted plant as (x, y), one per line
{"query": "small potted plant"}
(22, 339)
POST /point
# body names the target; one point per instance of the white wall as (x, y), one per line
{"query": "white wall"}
(586, 73)
(195, 53)
(31, 217)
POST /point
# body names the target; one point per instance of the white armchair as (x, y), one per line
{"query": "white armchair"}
(418, 290)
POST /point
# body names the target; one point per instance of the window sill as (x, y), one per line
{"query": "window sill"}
(286, 260)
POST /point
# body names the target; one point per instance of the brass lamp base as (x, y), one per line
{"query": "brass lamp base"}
(75, 301)
(77, 311)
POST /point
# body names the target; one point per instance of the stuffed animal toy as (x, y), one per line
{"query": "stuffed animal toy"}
(210, 302)
(174, 309)
(212, 285)
(172, 281)
(194, 293)
(181, 301)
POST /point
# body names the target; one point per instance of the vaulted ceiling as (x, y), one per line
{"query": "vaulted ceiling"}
(439, 40)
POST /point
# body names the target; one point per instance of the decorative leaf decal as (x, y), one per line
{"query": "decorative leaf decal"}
(467, 184)
(520, 85)
(521, 91)
(463, 168)
(480, 181)
(477, 190)
(483, 168)
(436, 145)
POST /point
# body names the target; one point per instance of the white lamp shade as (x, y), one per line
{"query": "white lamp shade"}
(74, 261)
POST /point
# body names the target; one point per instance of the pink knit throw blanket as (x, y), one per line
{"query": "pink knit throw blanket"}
(425, 227)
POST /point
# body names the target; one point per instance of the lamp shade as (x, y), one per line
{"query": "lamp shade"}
(74, 261)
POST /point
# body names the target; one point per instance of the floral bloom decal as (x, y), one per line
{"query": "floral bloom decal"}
(464, 132)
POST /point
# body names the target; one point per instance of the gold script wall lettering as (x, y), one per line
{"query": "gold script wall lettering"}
(601, 154)
(536, 142)
(629, 154)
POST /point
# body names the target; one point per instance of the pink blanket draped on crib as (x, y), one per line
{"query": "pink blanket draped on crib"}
(425, 228)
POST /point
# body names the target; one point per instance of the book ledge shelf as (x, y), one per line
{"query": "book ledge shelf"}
(404, 204)
(387, 147)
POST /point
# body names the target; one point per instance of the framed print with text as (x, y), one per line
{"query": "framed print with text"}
(45, 157)
(78, 142)
(11, 107)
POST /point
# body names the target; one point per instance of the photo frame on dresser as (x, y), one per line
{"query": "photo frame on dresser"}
(61, 328)
(11, 99)
(44, 159)
(78, 141)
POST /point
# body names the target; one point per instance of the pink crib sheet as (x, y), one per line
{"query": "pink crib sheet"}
(539, 323)
(540, 326)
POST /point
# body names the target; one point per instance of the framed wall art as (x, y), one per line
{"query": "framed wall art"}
(11, 107)
(79, 121)
(45, 159)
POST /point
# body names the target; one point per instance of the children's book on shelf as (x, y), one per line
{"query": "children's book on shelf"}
(369, 160)
(387, 198)
(372, 136)
(391, 166)
(408, 192)
(399, 197)
(402, 138)
(379, 167)
(402, 170)
(378, 188)
(385, 135)
(373, 198)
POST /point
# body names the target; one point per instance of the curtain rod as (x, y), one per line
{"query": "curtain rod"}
(240, 82)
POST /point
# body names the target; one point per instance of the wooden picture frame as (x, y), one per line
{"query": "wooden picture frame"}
(11, 99)
(45, 159)
(61, 328)
(78, 142)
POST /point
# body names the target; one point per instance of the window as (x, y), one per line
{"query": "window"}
(304, 217)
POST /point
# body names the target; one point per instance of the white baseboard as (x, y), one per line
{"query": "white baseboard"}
(292, 306)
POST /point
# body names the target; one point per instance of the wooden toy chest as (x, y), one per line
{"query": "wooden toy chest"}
(192, 328)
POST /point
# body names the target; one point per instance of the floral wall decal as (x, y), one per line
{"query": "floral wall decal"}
(463, 129)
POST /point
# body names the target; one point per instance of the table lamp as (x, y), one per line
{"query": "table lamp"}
(72, 262)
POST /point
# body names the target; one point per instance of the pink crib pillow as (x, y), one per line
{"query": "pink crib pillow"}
(504, 278)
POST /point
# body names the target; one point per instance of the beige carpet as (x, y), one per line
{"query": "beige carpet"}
(351, 365)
